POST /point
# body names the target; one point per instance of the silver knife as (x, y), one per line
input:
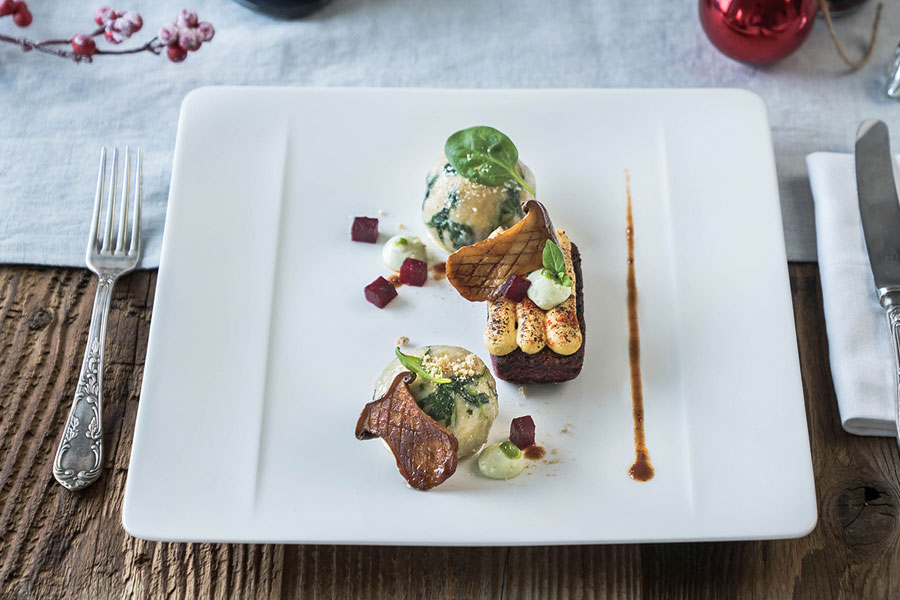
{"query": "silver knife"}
(879, 208)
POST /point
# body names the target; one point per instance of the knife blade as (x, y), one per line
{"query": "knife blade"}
(879, 210)
(878, 203)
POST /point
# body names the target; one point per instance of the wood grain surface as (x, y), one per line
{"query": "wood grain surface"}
(59, 544)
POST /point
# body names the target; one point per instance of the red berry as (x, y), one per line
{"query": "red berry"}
(413, 272)
(364, 229)
(187, 18)
(137, 22)
(188, 39)
(122, 26)
(177, 53)
(205, 31)
(521, 432)
(84, 45)
(380, 292)
(23, 17)
(103, 14)
(113, 37)
(514, 288)
(8, 7)
(168, 34)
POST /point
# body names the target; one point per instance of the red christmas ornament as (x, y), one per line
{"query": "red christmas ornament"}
(757, 31)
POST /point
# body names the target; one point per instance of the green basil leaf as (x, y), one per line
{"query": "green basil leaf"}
(555, 263)
(484, 155)
(414, 364)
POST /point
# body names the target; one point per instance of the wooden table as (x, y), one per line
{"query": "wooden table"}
(56, 544)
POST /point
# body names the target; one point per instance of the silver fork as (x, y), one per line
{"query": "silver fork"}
(111, 252)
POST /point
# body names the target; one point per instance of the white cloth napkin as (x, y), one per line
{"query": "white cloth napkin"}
(858, 342)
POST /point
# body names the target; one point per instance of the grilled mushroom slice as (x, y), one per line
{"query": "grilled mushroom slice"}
(477, 271)
(425, 450)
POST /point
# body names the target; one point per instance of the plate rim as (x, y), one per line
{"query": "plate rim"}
(134, 528)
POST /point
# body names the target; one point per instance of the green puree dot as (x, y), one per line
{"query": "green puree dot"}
(510, 450)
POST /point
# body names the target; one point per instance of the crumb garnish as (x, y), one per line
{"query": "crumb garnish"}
(453, 367)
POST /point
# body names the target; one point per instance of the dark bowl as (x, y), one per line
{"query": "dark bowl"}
(284, 9)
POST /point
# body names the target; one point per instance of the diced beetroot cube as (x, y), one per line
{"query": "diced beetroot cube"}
(380, 292)
(413, 272)
(515, 287)
(521, 432)
(364, 229)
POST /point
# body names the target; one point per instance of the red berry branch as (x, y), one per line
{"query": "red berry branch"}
(185, 34)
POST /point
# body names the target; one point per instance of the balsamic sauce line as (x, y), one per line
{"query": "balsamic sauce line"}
(642, 469)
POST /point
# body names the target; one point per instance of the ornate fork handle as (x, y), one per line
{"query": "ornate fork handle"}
(80, 451)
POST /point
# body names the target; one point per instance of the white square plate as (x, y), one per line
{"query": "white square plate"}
(263, 351)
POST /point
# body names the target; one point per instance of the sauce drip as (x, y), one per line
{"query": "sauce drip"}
(642, 469)
(395, 280)
(535, 452)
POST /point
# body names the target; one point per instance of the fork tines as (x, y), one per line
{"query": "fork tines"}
(111, 234)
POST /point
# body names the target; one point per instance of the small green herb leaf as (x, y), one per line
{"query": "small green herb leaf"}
(484, 155)
(401, 242)
(414, 364)
(555, 264)
(553, 257)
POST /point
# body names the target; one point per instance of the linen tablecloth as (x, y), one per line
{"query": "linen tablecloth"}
(55, 115)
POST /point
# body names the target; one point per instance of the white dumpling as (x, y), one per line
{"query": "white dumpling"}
(458, 212)
(467, 406)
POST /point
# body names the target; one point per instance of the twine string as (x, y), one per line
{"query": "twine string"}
(853, 64)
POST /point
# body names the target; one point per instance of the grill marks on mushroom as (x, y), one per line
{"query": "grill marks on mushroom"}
(425, 450)
(477, 271)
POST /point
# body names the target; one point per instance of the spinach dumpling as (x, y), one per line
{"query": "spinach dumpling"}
(467, 406)
(458, 212)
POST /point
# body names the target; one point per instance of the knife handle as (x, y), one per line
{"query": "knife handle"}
(890, 300)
